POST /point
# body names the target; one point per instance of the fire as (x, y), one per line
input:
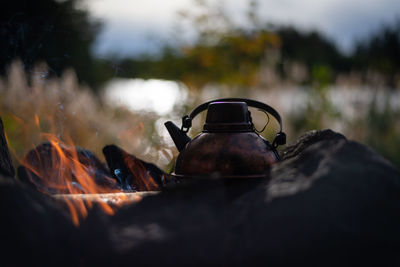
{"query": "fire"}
(51, 110)
(77, 179)
(58, 168)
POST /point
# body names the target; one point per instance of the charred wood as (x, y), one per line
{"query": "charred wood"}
(42, 166)
(133, 173)
(6, 166)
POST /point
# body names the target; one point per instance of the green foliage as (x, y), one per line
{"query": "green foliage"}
(383, 130)
(234, 60)
(378, 127)
(321, 75)
(318, 113)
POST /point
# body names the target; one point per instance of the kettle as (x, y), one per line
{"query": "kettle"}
(229, 145)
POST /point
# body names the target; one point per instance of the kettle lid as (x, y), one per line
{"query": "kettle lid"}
(224, 116)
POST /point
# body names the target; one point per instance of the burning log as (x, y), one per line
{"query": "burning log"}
(131, 172)
(57, 168)
(54, 169)
(6, 166)
(79, 180)
(78, 205)
(112, 199)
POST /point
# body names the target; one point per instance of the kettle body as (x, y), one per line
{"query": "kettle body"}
(230, 155)
(228, 146)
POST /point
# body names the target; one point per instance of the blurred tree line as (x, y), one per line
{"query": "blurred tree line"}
(380, 52)
(242, 56)
(61, 33)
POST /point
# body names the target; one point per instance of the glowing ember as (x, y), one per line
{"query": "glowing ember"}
(113, 199)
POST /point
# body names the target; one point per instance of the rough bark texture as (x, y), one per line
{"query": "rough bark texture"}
(330, 202)
(6, 166)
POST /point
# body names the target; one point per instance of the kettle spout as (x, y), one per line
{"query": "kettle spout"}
(178, 136)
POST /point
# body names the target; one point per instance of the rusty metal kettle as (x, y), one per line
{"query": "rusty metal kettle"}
(229, 146)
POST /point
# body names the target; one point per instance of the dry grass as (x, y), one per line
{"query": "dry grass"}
(64, 108)
(33, 104)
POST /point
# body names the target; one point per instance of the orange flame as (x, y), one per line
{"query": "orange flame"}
(143, 183)
(63, 172)
(59, 169)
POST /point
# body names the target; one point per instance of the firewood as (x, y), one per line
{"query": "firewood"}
(133, 173)
(46, 161)
(6, 166)
(114, 199)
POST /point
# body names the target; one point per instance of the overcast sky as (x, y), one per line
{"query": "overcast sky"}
(132, 27)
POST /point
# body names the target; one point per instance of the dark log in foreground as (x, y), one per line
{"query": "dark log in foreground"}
(6, 166)
(34, 231)
(333, 202)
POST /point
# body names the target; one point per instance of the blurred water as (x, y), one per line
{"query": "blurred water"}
(159, 96)
(350, 102)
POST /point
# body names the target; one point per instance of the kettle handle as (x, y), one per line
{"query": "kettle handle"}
(280, 138)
